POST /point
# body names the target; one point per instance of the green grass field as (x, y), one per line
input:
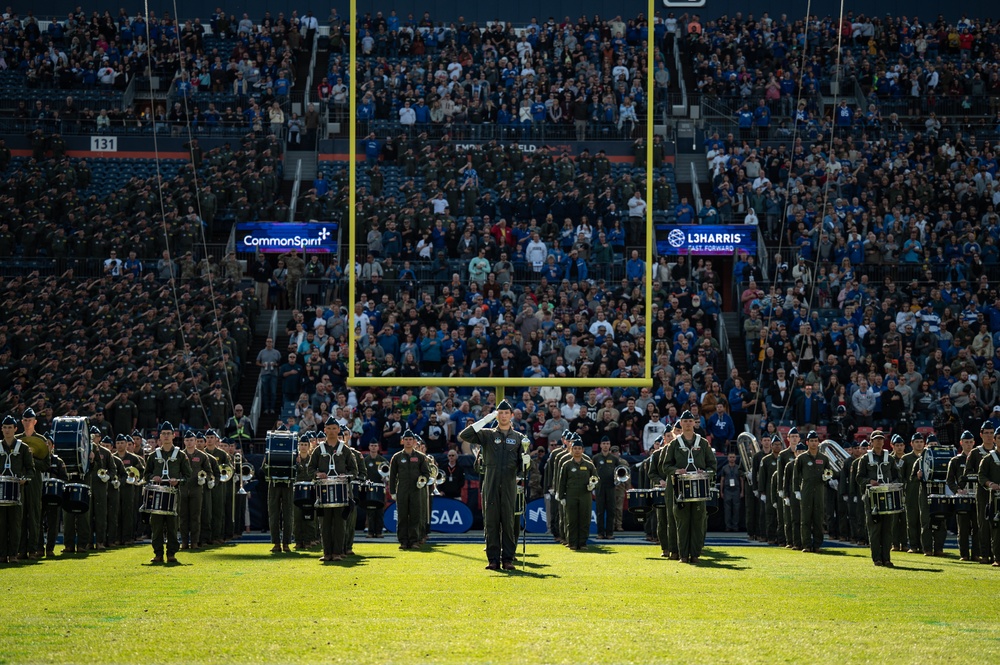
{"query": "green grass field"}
(611, 605)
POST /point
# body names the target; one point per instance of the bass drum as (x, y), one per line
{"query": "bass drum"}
(71, 440)
(76, 498)
(935, 463)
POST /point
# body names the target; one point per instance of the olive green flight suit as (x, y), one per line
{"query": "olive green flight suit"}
(404, 470)
(879, 526)
(989, 472)
(179, 467)
(691, 516)
(968, 524)
(573, 486)
(326, 460)
(807, 480)
(22, 465)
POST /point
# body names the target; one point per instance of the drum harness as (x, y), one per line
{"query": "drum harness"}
(6, 457)
(165, 476)
(879, 478)
(691, 466)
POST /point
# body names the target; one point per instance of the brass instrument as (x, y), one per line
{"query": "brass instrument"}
(103, 475)
(622, 474)
(592, 483)
(202, 477)
(133, 476)
(383, 470)
(748, 446)
(225, 473)
(422, 482)
(837, 457)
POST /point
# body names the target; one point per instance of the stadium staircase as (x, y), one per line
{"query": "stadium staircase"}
(251, 373)
(734, 331)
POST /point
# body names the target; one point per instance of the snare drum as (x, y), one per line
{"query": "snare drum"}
(938, 499)
(886, 499)
(304, 494)
(995, 505)
(375, 497)
(693, 487)
(964, 504)
(10, 491)
(52, 491)
(159, 500)
(76, 498)
(640, 501)
(333, 492)
(935, 463)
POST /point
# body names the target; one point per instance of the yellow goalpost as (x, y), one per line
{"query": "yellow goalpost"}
(500, 383)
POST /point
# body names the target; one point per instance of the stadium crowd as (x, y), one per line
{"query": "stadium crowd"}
(495, 262)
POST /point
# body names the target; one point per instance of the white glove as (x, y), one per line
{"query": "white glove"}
(781, 494)
(211, 483)
(788, 502)
(834, 484)
(855, 499)
(756, 493)
(525, 460)
(562, 501)
(482, 422)
(775, 506)
(846, 498)
(798, 496)
(763, 499)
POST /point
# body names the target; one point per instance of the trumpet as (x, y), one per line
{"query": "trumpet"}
(622, 474)
(202, 477)
(421, 482)
(827, 475)
(383, 470)
(225, 473)
(103, 475)
(133, 476)
(592, 483)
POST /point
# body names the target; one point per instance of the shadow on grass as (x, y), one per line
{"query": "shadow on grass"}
(719, 559)
(597, 549)
(896, 566)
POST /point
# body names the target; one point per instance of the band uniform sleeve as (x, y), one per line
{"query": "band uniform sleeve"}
(185, 467)
(654, 468)
(469, 435)
(394, 473)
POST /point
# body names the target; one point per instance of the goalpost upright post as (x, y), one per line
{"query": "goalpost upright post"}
(499, 383)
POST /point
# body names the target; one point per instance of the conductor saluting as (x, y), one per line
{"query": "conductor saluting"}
(499, 459)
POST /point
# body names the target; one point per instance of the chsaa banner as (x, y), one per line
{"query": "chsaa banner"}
(696, 240)
(447, 516)
(279, 237)
(537, 520)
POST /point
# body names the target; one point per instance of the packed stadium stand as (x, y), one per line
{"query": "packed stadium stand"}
(500, 222)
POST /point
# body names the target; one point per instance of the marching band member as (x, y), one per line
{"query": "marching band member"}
(99, 491)
(986, 432)
(666, 528)
(192, 494)
(222, 492)
(31, 491)
(577, 479)
(373, 516)
(933, 528)
(768, 492)
(326, 462)
(351, 521)
(126, 528)
(756, 513)
(899, 523)
(302, 525)
(117, 471)
(911, 492)
(859, 530)
(208, 489)
(555, 512)
(689, 452)
(166, 465)
(876, 468)
(606, 463)
(989, 481)
(788, 505)
(17, 462)
(500, 459)
(280, 497)
(51, 512)
(405, 468)
(810, 491)
(76, 526)
(958, 469)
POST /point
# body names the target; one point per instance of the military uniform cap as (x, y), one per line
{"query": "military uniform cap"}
(813, 434)
(687, 415)
(504, 405)
(408, 434)
(897, 439)
(792, 431)
(166, 427)
(801, 446)
(28, 413)
(9, 420)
